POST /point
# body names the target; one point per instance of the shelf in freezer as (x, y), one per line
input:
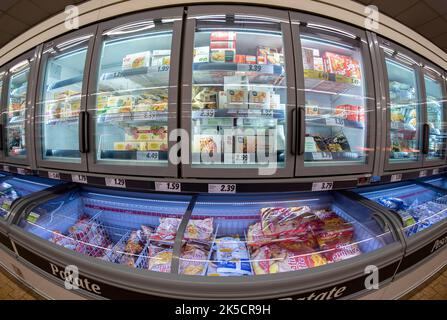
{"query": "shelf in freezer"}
(161, 116)
(238, 113)
(62, 121)
(144, 76)
(333, 122)
(332, 156)
(330, 82)
(134, 155)
(65, 82)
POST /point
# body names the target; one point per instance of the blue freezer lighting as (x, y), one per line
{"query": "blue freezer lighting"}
(131, 198)
(257, 202)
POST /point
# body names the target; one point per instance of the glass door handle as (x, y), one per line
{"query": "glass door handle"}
(425, 137)
(294, 133)
(301, 132)
(83, 132)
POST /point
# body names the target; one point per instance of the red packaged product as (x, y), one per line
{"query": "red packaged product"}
(342, 65)
(240, 58)
(342, 252)
(329, 218)
(297, 261)
(250, 59)
(285, 221)
(223, 36)
(223, 45)
(331, 236)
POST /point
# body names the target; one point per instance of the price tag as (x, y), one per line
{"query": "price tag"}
(207, 113)
(240, 158)
(422, 173)
(322, 155)
(262, 68)
(32, 217)
(150, 115)
(79, 178)
(396, 177)
(322, 186)
(168, 186)
(54, 175)
(152, 155)
(6, 168)
(163, 68)
(115, 182)
(435, 171)
(221, 188)
(21, 171)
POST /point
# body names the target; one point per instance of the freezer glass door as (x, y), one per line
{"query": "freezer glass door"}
(436, 105)
(266, 234)
(15, 124)
(239, 94)
(335, 109)
(61, 102)
(131, 118)
(132, 229)
(417, 206)
(13, 188)
(404, 110)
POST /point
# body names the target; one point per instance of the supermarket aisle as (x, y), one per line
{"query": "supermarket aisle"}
(11, 289)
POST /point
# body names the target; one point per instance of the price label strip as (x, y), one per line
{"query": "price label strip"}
(322, 186)
(422, 173)
(222, 188)
(21, 171)
(207, 113)
(6, 168)
(262, 68)
(168, 186)
(435, 171)
(396, 177)
(79, 178)
(54, 175)
(115, 182)
(163, 68)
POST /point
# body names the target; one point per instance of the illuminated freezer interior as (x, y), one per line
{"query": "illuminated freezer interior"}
(335, 100)
(131, 120)
(417, 206)
(13, 188)
(238, 107)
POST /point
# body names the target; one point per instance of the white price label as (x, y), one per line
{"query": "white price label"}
(54, 175)
(335, 122)
(79, 178)
(168, 186)
(435, 171)
(262, 68)
(267, 113)
(207, 113)
(150, 115)
(221, 188)
(6, 168)
(152, 155)
(21, 171)
(240, 158)
(396, 177)
(322, 155)
(163, 68)
(115, 182)
(322, 186)
(422, 173)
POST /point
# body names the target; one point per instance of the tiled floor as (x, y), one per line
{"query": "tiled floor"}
(11, 289)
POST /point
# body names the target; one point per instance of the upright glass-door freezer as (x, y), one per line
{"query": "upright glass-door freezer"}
(61, 101)
(238, 100)
(16, 131)
(421, 212)
(405, 113)
(133, 94)
(249, 246)
(336, 103)
(2, 80)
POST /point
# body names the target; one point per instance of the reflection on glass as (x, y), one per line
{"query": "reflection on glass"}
(132, 96)
(15, 116)
(435, 116)
(238, 94)
(61, 104)
(404, 112)
(335, 102)
(133, 230)
(418, 207)
(255, 235)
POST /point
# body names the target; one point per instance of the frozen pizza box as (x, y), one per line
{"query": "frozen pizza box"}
(137, 60)
(259, 99)
(237, 99)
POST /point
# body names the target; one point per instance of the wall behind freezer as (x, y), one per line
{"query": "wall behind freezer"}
(345, 10)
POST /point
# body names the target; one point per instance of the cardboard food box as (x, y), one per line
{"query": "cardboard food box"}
(342, 65)
(250, 59)
(129, 146)
(222, 100)
(259, 99)
(245, 144)
(223, 36)
(308, 59)
(318, 64)
(147, 133)
(120, 104)
(201, 54)
(237, 99)
(207, 144)
(157, 146)
(240, 58)
(101, 103)
(223, 55)
(137, 60)
(312, 110)
(223, 45)
(275, 100)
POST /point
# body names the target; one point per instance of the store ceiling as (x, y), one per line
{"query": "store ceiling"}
(428, 17)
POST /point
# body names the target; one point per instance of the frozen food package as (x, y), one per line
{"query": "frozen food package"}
(202, 54)
(237, 98)
(135, 243)
(63, 241)
(255, 236)
(330, 236)
(236, 83)
(258, 99)
(308, 58)
(250, 59)
(281, 221)
(167, 229)
(80, 229)
(199, 229)
(222, 45)
(223, 36)
(147, 133)
(137, 60)
(193, 260)
(342, 251)
(296, 261)
(262, 261)
(207, 144)
(222, 55)
(159, 259)
(342, 65)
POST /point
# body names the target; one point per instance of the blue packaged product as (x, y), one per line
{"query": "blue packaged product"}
(392, 203)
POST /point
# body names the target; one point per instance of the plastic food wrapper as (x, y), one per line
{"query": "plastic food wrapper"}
(199, 229)
(329, 236)
(342, 252)
(127, 260)
(295, 261)
(135, 243)
(160, 259)
(193, 260)
(262, 261)
(280, 221)
(167, 229)
(392, 203)
(329, 218)
(63, 241)
(81, 228)
(255, 236)
(232, 256)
